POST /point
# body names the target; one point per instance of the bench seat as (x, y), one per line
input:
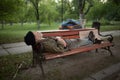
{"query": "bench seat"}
(69, 34)
(49, 56)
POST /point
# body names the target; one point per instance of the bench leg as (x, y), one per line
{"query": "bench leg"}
(42, 69)
(108, 48)
(110, 51)
(96, 50)
(34, 60)
(38, 58)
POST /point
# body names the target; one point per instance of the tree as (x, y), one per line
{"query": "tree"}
(81, 8)
(48, 11)
(69, 10)
(8, 10)
(105, 11)
(22, 17)
(82, 11)
(113, 10)
(61, 8)
(97, 12)
(35, 4)
(117, 2)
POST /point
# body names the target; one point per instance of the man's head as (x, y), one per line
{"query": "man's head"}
(29, 38)
(32, 37)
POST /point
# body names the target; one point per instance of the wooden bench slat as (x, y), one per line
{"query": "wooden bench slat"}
(77, 50)
(71, 37)
(65, 35)
(60, 34)
(55, 31)
(64, 32)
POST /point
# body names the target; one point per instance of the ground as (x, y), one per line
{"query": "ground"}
(75, 67)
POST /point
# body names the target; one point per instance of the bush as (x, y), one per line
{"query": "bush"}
(104, 22)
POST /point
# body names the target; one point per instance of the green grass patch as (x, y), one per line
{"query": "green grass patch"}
(9, 64)
(110, 27)
(17, 32)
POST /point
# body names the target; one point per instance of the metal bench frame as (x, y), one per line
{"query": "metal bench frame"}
(66, 34)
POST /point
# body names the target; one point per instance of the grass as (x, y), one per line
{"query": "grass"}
(16, 33)
(110, 27)
(9, 64)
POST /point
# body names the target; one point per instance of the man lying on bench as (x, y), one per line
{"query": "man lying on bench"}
(58, 44)
(41, 44)
(54, 44)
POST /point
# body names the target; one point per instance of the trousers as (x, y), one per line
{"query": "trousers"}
(76, 43)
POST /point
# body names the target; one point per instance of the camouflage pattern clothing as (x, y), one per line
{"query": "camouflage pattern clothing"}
(52, 45)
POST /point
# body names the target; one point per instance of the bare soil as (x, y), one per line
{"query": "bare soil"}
(75, 67)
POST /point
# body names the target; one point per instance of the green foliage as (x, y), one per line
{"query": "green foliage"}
(17, 32)
(29, 16)
(104, 21)
(49, 12)
(101, 11)
(9, 9)
(96, 11)
(113, 11)
(10, 63)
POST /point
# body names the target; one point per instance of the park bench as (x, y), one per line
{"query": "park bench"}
(69, 34)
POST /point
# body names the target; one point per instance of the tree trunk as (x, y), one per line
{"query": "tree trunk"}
(37, 18)
(81, 13)
(2, 25)
(82, 20)
(11, 23)
(22, 23)
(35, 4)
(38, 24)
(81, 10)
(62, 11)
(49, 21)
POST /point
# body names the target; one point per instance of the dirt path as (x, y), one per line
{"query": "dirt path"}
(75, 67)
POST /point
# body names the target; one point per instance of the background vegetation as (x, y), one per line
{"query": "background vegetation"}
(19, 16)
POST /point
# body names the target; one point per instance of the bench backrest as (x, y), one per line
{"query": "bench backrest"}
(68, 34)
